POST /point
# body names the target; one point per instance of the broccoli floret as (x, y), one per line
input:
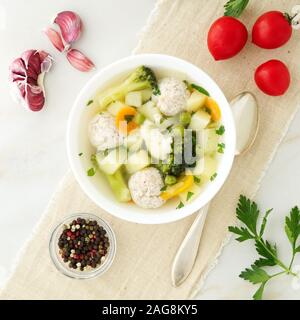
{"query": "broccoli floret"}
(177, 169)
(178, 161)
(142, 78)
(146, 74)
(171, 168)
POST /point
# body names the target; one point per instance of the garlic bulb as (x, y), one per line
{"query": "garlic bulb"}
(26, 78)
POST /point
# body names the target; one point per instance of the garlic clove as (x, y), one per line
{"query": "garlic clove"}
(55, 38)
(70, 25)
(79, 61)
(25, 74)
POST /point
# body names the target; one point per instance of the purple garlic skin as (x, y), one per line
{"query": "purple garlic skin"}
(25, 75)
(70, 25)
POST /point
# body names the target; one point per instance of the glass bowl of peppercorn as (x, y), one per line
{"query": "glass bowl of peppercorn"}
(82, 246)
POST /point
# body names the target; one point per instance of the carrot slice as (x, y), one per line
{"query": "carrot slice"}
(214, 109)
(124, 119)
(181, 186)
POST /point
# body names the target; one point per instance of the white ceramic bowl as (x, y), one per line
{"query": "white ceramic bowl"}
(96, 187)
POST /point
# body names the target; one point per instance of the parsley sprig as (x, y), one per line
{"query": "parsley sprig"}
(234, 8)
(248, 213)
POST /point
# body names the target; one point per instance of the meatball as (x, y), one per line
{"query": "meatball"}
(145, 186)
(173, 96)
(103, 132)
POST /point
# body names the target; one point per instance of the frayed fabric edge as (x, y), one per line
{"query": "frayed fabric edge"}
(149, 23)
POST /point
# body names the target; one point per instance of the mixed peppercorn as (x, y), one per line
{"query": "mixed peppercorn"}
(83, 244)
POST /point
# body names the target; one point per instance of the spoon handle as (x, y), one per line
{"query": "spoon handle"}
(186, 255)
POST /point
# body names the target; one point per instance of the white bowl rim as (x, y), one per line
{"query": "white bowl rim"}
(168, 62)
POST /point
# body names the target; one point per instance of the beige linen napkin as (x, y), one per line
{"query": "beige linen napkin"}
(141, 269)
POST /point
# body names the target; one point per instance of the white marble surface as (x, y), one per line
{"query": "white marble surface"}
(33, 157)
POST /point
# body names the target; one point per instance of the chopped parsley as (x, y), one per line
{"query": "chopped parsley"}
(91, 172)
(207, 110)
(197, 180)
(164, 188)
(213, 177)
(128, 118)
(80, 154)
(221, 147)
(220, 131)
(188, 86)
(189, 195)
(93, 159)
(89, 102)
(181, 205)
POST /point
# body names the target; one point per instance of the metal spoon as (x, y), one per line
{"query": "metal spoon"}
(245, 113)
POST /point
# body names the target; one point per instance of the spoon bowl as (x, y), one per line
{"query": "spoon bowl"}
(246, 116)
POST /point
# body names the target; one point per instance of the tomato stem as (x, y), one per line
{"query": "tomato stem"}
(289, 18)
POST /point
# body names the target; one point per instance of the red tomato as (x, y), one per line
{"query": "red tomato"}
(273, 78)
(271, 30)
(226, 37)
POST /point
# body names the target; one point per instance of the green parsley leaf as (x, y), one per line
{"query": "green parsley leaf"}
(164, 188)
(292, 226)
(213, 177)
(262, 262)
(200, 89)
(234, 8)
(189, 195)
(264, 222)
(221, 147)
(91, 172)
(188, 85)
(94, 160)
(247, 212)
(197, 179)
(220, 131)
(80, 154)
(181, 205)
(243, 233)
(89, 102)
(255, 275)
(268, 253)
